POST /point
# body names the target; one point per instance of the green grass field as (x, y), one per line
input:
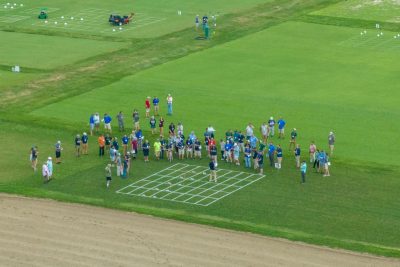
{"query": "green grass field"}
(385, 10)
(262, 62)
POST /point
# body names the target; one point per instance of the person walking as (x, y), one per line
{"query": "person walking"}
(303, 171)
(331, 142)
(213, 171)
(108, 175)
(101, 141)
(34, 157)
(120, 118)
(169, 104)
(58, 150)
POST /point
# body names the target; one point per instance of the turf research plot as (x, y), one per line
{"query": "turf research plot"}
(190, 184)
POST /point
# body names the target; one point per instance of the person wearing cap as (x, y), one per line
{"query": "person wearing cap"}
(293, 136)
(85, 140)
(297, 153)
(157, 148)
(96, 120)
(281, 128)
(213, 171)
(120, 118)
(50, 167)
(108, 175)
(45, 172)
(101, 141)
(331, 142)
(169, 104)
(156, 101)
(147, 106)
(78, 145)
(271, 126)
(33, 157)
(153, 123)
(107, 122)
(58, 149)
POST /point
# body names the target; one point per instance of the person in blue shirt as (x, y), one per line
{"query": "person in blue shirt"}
(125, 142)
(281, 128)
(303, 170)
(107, 122)
(297, 153)
(156, 102)
(91, 124)
(228, 152)
(181, 148)
(189, 148)
(271, 153)
(253, 142)
(322, 160)
(279, 157)
(247, 156)
(84, 140)
(139, 136)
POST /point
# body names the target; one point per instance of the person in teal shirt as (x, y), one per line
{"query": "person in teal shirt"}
(303, 170)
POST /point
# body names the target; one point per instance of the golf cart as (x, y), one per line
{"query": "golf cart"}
(117, 20)
(43, 14)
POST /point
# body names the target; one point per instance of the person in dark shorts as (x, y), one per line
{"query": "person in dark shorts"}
(58, 149)
(213, 171)
(146, 150)
(78, 145)
(108, 175)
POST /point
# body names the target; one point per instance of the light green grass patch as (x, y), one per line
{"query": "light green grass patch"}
(302, 72)
(379, 10)
(47, 52)
(9, 80)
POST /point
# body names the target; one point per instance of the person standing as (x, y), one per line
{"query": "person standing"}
(189, 148)
(108, 175)
(169, 104)
(96, 119)
(213, 171)
(316, 160)
(303, 171)
(279, 157)
(135, 116)
(331, 142)
(85, 140)
(107, 122)
(247, 156)
(236, 154)
(171, 128)
(249, 131)
(45, 172)
(293, 136)
(264, 132)
(271, 152)
(146, 150)
(213, 153)
(161, 126)
(271, 125)
(222, 146)
(156, 102)
(78, 145)
(101, 141)
(197, 149)
(163, 143)
(50, 167)
(297, 153)
(91, 124)
(34, 157)
(107, 139)
(157, 148)
(125, 142)
(260, 161)
(118, 162)
(281, 128)
(120, 118)
(326, 166)
(312, 150)
(170, 154)
(58, 149)
(147, 106)
(153, 123)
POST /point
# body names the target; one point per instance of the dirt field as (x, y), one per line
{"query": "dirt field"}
(48, 233)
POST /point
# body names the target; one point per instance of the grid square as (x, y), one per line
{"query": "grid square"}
(189, 184)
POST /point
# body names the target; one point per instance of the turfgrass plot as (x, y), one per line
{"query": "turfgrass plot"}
(46, 52)
(382, 10)
(190, 184)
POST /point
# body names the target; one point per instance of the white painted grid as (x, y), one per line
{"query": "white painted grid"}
(189, 184)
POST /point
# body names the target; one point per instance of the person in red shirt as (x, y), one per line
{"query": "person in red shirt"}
(211, 143)
(147, 105)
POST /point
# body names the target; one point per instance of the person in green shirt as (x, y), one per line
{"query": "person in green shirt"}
(157, 148)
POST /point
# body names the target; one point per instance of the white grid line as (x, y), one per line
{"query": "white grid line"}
(181, 171)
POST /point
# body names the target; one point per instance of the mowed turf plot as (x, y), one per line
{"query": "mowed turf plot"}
(378, 10)
(152, 18)
(319, 78)
(10, 80)
(47, 52)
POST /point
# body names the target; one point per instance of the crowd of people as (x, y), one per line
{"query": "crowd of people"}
(236, 147)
